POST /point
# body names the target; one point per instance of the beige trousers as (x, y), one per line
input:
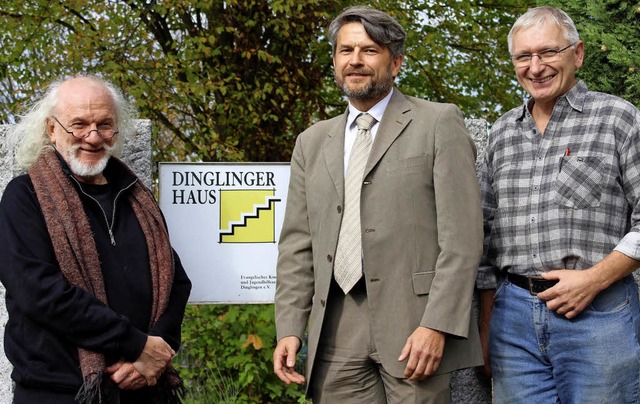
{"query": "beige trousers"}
(348, 369)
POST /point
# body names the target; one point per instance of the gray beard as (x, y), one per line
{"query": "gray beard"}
(81, 169)
(87, 170)
(373, 90)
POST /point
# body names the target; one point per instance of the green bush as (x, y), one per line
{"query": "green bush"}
(227, 356)
(217, 388)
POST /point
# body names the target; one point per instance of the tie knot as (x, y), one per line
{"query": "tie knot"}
(365, 121)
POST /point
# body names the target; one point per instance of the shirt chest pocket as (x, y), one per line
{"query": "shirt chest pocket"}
(579, 182)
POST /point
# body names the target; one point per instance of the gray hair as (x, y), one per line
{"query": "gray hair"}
(536, 17)
(30, 135)
(381, 28)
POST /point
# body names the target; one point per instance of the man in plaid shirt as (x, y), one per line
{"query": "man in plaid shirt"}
(560, 181)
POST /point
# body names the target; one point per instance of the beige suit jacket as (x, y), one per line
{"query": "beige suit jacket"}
(421, 231)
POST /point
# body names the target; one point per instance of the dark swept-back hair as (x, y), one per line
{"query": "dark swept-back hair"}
(381, 28)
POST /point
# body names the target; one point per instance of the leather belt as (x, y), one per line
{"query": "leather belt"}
(534, 284)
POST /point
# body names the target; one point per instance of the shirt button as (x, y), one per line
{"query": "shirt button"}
(535, 187)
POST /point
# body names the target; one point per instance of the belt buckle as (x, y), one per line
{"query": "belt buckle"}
(530, 280)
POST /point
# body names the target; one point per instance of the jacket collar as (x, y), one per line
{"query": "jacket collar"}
(396, 117)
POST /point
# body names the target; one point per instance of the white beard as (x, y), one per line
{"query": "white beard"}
(81, 169)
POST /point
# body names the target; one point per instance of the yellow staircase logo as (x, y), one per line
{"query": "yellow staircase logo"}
(247, 216)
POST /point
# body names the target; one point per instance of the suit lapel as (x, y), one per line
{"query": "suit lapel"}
(396, 117)
(333, 150)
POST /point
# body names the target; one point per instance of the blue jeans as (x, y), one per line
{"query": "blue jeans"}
(538, 356)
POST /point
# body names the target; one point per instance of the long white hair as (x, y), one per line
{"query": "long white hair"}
(30, 138)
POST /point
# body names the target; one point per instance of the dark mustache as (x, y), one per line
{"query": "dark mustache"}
(362, 72)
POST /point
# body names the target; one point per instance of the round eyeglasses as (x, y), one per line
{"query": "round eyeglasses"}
(82, 131)
(545, 56)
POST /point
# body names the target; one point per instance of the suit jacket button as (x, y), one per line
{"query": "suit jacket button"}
(329, 258)
(339, 209)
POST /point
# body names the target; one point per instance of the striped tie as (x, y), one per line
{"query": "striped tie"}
(348, 263)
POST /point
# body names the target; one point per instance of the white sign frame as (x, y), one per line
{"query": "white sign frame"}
(224, 221)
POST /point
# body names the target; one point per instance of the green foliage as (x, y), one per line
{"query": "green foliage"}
(611, 35)
(227, 354)
(221, 80)
(214, 388)
(238, 80)
(457, 52)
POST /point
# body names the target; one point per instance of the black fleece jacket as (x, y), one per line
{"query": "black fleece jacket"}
(48, 317)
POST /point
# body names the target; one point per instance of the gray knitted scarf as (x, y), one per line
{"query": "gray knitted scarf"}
(77, 255)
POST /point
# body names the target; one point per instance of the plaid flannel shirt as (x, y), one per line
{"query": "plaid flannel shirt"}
(566, 199)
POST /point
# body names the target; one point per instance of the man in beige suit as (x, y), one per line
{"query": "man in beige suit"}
(393, 329)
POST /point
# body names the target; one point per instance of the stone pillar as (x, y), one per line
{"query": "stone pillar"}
(6, 173)
(469, 385)
(136, 153)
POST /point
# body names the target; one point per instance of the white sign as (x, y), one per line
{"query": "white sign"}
(224, 221)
